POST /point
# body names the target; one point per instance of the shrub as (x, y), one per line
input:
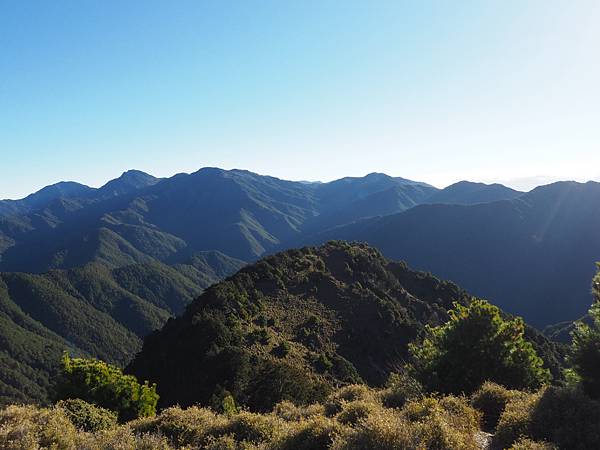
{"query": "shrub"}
(87, 417)
(476, 345)
(515, 420)
(290, 412)
(252, 427)
(317, 433)
(400, 388)
(491, 399)
(585, 351)
(354, 411)
(106, 386)
(28, 427)
(188, 426)
(528, 444)
(121, 438)
(433, 423)
(567, 418)
(384, 430)
(350, 393)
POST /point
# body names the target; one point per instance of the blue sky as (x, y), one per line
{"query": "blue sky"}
(436, 91)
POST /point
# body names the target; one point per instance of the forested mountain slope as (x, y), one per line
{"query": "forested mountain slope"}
(532, 256)
(295, 324)
(239, 213)
(93, 310)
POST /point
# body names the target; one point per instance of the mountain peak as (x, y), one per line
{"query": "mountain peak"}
(54, 191)
(130, 180)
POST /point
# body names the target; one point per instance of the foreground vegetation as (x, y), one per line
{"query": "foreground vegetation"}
(296, 325)
(353, 417)
(473, 381)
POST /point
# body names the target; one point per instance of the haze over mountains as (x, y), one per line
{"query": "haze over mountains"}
(96, 270)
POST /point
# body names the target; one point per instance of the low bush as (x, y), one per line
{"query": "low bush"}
(189, 426)
(28, 427)
(105, 385)
(515, 420)
(290, 412)
(384, 430)
(251, 427)
(352, 412)
(491, 399)
(87, 417)
(316, 433)
(335, 401)
(528, 444)
(400, 388)
(566, 417)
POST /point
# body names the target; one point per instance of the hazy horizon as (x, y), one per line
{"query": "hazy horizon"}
(525, 184)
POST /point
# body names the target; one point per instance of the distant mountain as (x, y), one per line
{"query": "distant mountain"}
(296, 324)
(350, 199)
(236, 212)
(468, 193)
(92, 310)
(43, 197)
(130, 181)
(533, 255)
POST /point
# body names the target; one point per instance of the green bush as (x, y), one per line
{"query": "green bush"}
(474, 346)
(104, 385)
(585, 352)
(88, 417)
(567, 418)
(491, 399)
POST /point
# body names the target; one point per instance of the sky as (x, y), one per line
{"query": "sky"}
(495, 91)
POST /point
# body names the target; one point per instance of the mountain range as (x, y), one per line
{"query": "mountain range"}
(93, 271)
(533, 255)
(138, 218)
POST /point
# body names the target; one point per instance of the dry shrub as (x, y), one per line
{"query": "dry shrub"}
(491, 399)
(429, 423)
(384, 430)
(353, 412)
(335, 401)
(252, 427)
(121, 438)
(316, 433)
(182, 426)
(399, 389)
(444, 423)
(29, 427)
(292, 413)
(227, 442)
(528, 444)
(515, 421)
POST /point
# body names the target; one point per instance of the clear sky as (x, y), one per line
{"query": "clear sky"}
(437, 91)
